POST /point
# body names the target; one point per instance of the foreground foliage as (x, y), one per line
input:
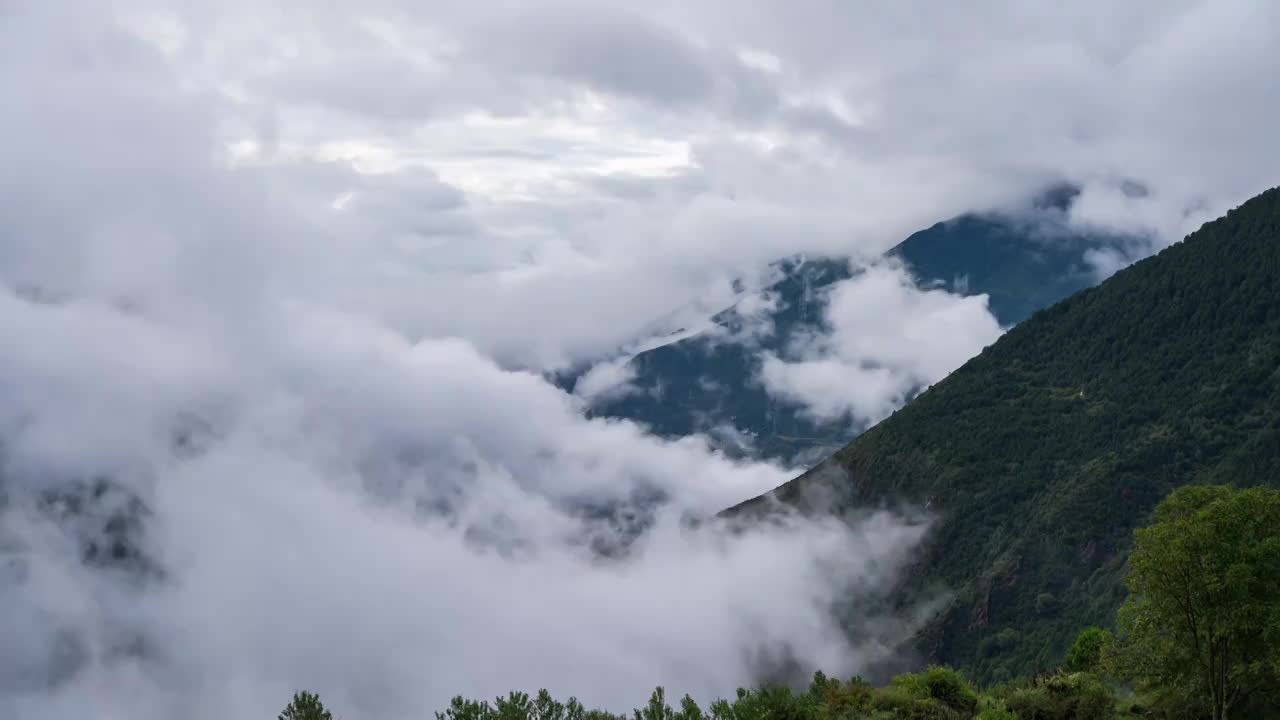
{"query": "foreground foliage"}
(1203, 613)
(938, 693)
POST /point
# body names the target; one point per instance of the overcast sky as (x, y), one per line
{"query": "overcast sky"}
(344, 239)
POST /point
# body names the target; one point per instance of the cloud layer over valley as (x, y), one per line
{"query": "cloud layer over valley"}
(279, 288)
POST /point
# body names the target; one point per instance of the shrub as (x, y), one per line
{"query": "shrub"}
(951, 689)
(1088, 649)
(1031, 703)
(902, 703)
(1063, 696)
(995, 710)
(840, 699)
(768, 703)
(940, 683)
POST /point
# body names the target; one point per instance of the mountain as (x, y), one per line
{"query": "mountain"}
(708, 382)
(1040, 455)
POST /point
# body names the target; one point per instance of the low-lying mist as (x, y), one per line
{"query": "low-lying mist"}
(233, 465)
(189, 530)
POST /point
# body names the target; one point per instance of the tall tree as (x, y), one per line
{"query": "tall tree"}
(1087, 651)
(1204, 607)
(305, 706)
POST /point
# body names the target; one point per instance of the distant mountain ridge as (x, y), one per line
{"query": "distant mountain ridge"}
(709, 383)
(1043, 453)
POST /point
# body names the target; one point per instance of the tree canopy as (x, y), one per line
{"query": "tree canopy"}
(305, 706)
(1203, 612)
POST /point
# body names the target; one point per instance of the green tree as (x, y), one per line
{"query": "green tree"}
(657, 709)
(1204, 606)
(1088, 649)
(305, 706)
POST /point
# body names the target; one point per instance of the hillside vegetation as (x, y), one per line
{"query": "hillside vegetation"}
(1041, 455)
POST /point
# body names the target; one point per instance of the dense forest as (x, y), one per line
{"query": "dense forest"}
(1041, 455)
(1197, 637)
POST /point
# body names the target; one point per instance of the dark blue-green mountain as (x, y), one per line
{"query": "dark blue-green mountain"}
(1022, 261)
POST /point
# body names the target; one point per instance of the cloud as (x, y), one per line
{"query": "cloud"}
(618, 52)
(606, 380)
(639, 159)
(886, 338)
(287, 583)
(288, 278)
(257, 433)
(301, 542)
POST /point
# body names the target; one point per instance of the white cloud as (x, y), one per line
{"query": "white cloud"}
(332, 236)
(887, 338)
(300, 547)
(552, 124)
(608, 379)
(303, 373)
(635, 158)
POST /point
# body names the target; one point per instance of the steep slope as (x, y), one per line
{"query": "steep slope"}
(1043, 453)
(708, 382)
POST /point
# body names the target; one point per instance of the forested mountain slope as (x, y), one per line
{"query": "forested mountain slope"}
(1043, 453)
